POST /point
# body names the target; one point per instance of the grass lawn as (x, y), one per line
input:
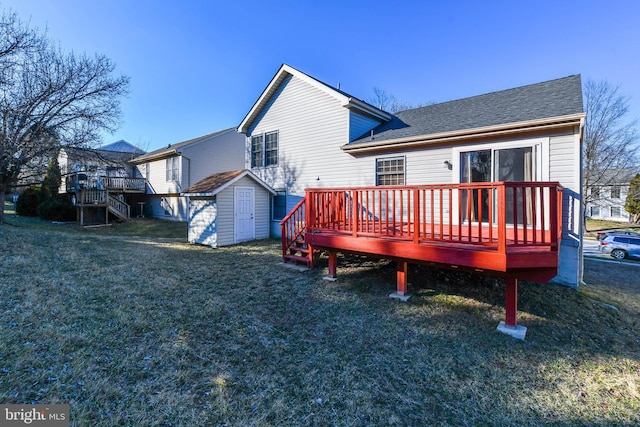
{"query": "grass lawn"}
(592, 226)
(132, 326)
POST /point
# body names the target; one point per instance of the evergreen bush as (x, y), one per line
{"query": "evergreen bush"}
(27, 203)
(58, 208)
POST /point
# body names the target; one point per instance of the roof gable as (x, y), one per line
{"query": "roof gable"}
(174, 149)
(286, 71)
(215, 183)
(122, 146)
(540, 101)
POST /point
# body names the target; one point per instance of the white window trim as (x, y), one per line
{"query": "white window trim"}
(177, 160)
(404, 168)
(264, 149)
(542, 155)
(541, 148)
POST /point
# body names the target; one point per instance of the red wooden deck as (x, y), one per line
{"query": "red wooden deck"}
(508, 229)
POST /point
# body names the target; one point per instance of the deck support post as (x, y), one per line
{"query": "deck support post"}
(332, 267)
(402, 270)
(510, 324)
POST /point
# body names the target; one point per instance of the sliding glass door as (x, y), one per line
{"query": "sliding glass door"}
(508, 164)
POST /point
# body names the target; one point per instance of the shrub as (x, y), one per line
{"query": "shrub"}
(57, 208)
(27, 203)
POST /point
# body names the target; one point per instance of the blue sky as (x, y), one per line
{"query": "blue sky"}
(198, 66)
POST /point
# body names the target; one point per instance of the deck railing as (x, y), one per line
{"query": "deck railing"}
(119, 208)
(496, 214)
(293, 226)
(92, 197)
(124, 183)
(77, 181)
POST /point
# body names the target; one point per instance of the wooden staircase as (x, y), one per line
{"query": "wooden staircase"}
(294, 247)
(119, 208)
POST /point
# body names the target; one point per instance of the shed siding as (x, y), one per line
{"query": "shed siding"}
(202, 221)
(226, 209)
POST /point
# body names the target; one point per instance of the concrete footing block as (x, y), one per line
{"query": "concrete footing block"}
(399, 296)
(517, 332)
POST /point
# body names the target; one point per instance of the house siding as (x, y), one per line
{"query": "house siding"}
(218, 153)
(312, 126)
(157, 178)
(564, 167)
(359, 125)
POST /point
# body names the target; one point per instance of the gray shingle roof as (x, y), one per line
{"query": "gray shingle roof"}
(122, 146)
(552, 98)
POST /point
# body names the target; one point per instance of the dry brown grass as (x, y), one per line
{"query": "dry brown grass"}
(142, 329)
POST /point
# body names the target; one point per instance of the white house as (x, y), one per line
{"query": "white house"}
(302, 133)
(172, 169)
(111, 160)
(609, 195)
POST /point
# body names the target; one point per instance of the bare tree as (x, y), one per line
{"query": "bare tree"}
(610, 139)
(49, 99)
(388, 102)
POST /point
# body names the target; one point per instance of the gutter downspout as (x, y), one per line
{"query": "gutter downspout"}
(582, 207)
(187, 204)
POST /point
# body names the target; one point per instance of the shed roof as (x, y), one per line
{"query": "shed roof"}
(215, 183)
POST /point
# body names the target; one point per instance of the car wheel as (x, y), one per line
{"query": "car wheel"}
(618, 254)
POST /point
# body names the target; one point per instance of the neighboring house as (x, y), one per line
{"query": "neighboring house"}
(302, 133)
(91, 165)
(171, 170)
(103, 181)
(608, 197)
(227, 208)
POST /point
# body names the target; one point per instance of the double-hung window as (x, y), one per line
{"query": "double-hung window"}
(390, 171)
(615, 192)
(264, 149)
(173, 169)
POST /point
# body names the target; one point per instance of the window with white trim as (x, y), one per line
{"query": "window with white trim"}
(390, 171)
(615, 192)
(264, 149)
(595, 211)
(173, 170)
(615, 211)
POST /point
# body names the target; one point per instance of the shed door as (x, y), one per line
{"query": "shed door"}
(244, 214)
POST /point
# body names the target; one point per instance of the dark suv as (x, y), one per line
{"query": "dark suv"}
(620, 246)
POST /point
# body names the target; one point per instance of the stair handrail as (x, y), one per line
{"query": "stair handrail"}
(120, 206)
(292, 226)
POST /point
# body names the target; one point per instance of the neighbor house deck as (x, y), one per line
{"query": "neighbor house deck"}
(103, 192)
(508, 229)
